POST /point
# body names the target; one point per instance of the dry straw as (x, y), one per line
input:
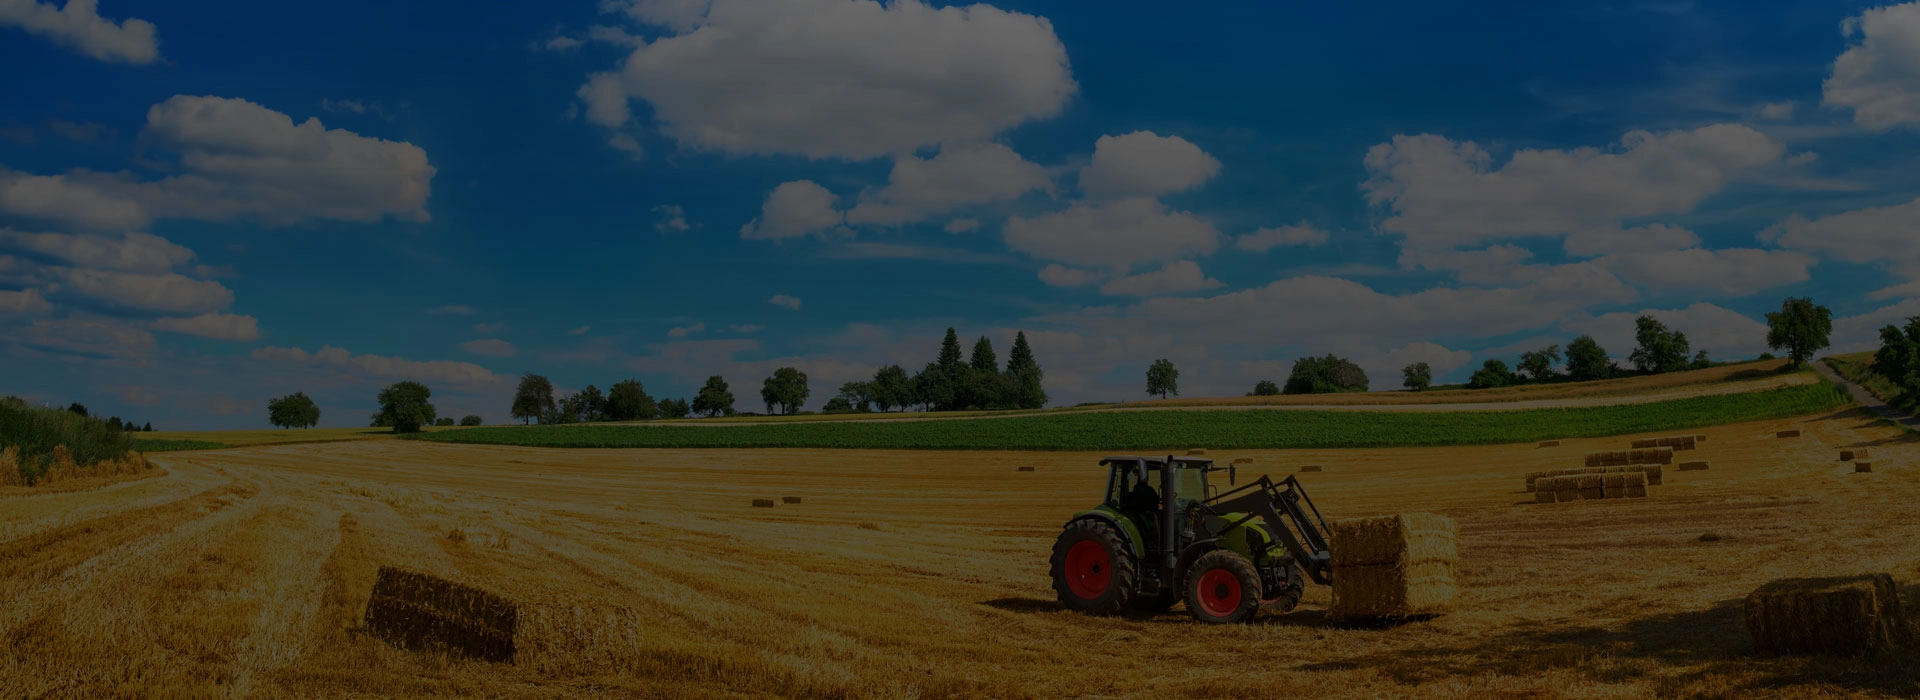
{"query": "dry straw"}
(1393, 566)
(1693, 466)
(570, 639)
(417, 611)
(1195, 452)
(1841, 615)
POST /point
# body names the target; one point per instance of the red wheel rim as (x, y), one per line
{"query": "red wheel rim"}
(1089, 570)
(1219, 592)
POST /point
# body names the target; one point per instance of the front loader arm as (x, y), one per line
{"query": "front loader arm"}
(1287, 519)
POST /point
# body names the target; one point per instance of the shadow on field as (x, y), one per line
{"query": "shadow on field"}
(1713, 641)
(1024, 605)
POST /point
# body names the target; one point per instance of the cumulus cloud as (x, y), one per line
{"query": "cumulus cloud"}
(1888, 235)
(852, 78)
(376, 368)
(678, 15)
(489, 347)
(962, 225)
(1145, 164)
(132, 252)
(794, 209)
(1063, 276)
(88, 338)
(959, 176)
(672, 219)
(1635, 239)
(88, 201)
(1443, 194)
(169, 293)
(218, 326)
(1266, 239)
(1861, 332)
(25, 302)
(80, 27)
(1879, 76)
(1177, 277)
(785, 301)
(1118, 234)
(1722, 332)
(1733, 272)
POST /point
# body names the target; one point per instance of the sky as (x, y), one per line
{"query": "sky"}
(205, 205)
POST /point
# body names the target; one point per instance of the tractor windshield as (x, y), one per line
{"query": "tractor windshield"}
(1190, 485)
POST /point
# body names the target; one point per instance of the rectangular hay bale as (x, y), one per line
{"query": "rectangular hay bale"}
(417, 611)
(1196, 452)
(763, 503)
(1838, 615)
(1636, 492)
(1312, 468)
(789, 499)
(1646, 442)
(1787, 434)
(1025, 469)
(1549, 443)
(1650, 474)
(1588, 481)
(1543, 497)
(1564, 495)
(1616, 492)
(1393, 566)
(1592, 494)
(1859, 467)
(1693, 466)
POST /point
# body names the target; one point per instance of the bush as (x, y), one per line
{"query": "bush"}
(1325, 375)
(444, 422)
(38, 435)
(1265, 387)
(470, 420)
(1492, 375)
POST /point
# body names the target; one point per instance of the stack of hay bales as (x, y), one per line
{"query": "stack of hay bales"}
(1621, 458)
(417, 611)
(1393, 566)
(1590, 487)
(1852, 455)
(1650, 472)
(1841, 615)
(1677, 442)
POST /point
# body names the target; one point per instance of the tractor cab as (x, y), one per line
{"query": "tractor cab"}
(1163, 535)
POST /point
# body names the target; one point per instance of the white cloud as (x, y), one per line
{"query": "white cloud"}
(132, 252)
(1889, 235)
(162, 293)
(1879, 77)
(1729, 271)
(1117, 234)
(1777, 111)
(1637, 239)
(562, 43)
(89, 338)
(489, 347)
(962, 225)
(1723, 333)
(218, 326)
(679, 15)
(959, 176)
(77, 199)
(783, 300)
(489, 328)
(850, 78)
(452, 310)
(1175, 278)
(626, 143)
(673, 219)
(793, 209)
(1063, 276)
(79, 26)
(683, 331)
(1145, 164)
(25, 302)
(462, 375)
(580, 331)
(1445, 194)
(1898, 291)
(1266, 239)
(1862, 332)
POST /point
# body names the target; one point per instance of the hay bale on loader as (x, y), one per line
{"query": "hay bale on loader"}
(1839, 615)
(1393, 566)
(417, 611)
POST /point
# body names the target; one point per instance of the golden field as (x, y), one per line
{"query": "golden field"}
(244, 573)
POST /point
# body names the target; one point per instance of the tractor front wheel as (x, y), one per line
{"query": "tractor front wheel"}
(1222, 586)
(1093, 571)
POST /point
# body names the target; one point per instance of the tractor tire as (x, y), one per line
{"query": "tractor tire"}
(1222, 587)
(1287, 595)
(1093, 571)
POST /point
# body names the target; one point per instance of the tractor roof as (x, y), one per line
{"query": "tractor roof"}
(1158, 462)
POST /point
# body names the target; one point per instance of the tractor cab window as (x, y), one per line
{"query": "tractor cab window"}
(1130, 492)
(1190, 485)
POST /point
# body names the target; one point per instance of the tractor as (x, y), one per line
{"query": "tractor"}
(1165, 536)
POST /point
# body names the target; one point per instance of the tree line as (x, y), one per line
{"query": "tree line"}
(113, 422)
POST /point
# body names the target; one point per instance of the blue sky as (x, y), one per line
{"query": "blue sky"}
(207, 205)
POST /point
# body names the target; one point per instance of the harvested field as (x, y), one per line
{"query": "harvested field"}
(644, 573)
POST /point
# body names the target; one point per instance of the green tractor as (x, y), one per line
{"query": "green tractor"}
(1165, 536)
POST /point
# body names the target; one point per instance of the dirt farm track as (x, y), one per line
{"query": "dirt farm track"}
(244, 573)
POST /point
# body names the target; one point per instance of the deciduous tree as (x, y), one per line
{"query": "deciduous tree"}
(533, 399)
(1163, 378)
(1800, 327)
(1417, 376)
(405, 407)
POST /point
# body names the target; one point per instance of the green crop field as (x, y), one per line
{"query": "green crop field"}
(151, 445)
(1221, 429)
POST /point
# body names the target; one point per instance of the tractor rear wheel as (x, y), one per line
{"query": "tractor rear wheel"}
(1093, 571)
(1222, 586)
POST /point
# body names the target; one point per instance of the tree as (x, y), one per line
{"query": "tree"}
(787, 388)
(77, 409)
(934, 388)
(404, 407)
(891, 388)
(1163, 378)
(1493, 374)
(444, 421)
(1898, 359)
(628, 400)
(1265, 387)
(980, 381)
(714, 399)
(592, 405)
(148, 428)
(1024, 375)
(837, 404)
(950, 351)
(1417, 376)
(533, 400)
(1660, 350)
(294, 410)
(674, 408)
(1587, 361)
(855, 396)
(1325, 375)
(1800, 328)
(470, 420)
(1538, 364)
